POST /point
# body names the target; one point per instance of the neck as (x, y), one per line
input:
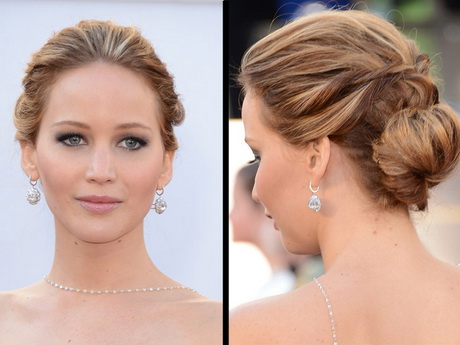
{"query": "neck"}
(370, 238)
(118, 264)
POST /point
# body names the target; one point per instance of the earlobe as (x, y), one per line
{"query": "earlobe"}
(167, 170)
(29, 160)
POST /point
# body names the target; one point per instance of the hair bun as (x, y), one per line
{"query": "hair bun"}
(416, 151)
(422, 64)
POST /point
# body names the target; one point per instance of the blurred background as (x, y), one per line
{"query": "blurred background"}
(186, 241)
(256, 271)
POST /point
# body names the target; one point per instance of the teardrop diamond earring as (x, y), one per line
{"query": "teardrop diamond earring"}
(314, 203)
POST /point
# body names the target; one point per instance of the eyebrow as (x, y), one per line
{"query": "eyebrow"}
(248, 139)
(71, 123)
(127, 125)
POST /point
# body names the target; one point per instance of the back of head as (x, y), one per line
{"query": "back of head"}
(88, 42)
(355, 78)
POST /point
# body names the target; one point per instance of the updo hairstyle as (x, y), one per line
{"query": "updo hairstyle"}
(86, 43)
(355, 78)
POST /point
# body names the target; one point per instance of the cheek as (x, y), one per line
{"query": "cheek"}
(56, 173)
(142, 179)
(269, 184)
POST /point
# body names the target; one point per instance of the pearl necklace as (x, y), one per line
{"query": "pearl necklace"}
(66, 288)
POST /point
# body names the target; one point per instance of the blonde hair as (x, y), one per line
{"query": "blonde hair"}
(85, 43)
(355, 78)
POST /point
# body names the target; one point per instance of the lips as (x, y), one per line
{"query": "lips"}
(99, 204)
(274, 224)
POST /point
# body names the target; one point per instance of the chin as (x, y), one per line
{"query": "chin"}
(98, 238)
(93, 234)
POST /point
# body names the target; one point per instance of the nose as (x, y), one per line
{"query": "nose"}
(101, 166)
(254, 195)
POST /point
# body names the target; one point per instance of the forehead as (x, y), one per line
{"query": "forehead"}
(250, 105)
(102, 90)
(97, 77)
(252, 113)
(257, 133)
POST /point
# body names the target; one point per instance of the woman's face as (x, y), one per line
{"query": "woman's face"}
(99, 152)
(281, 183)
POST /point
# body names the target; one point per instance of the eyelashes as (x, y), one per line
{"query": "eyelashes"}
(133, 143)
(255, 160)
(70, 139)
(129, 142)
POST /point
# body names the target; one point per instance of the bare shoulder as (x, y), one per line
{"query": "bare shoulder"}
(6, 307)
(446, 281)
(297, 317)
(14, 308)
(204, 320)
(12, 301)
(7, 299)
(208, 311)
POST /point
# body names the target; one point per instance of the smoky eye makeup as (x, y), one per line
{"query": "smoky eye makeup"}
(133, 142)
(256, 158)
(128, 142)
(71, 139)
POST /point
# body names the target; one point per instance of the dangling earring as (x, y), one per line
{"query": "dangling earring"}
(33, 194)
(160, 204)
(314, 203)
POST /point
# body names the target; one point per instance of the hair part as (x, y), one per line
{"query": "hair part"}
(355, 78)
(88, 42)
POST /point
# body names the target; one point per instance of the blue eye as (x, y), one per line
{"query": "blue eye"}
(132, 143)
(70, 139)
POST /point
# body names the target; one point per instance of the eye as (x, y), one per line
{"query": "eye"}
(132, 143)
(70, 139)
(255, 160)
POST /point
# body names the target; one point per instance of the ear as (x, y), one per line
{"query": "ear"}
(318, 154)
(167, 170)
(29, 160)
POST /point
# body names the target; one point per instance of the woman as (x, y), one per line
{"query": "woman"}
(95, 126)
(351, 135)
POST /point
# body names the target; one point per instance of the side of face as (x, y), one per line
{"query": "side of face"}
(99, 138)
(282, 180)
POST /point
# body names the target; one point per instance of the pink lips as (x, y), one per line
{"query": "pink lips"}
(99, 204)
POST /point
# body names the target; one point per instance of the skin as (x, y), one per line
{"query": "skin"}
(384, 287)
(249, 224)
(110, 113)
